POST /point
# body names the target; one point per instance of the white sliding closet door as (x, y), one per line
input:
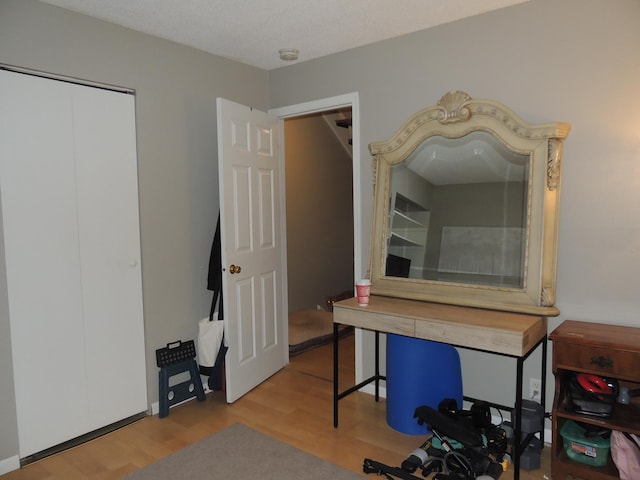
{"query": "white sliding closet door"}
(68, 181)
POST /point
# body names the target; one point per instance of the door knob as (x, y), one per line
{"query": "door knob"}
(234, 268)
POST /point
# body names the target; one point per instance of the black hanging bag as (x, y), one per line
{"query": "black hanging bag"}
(211, 337)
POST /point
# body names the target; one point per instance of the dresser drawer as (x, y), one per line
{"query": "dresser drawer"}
(620, 364)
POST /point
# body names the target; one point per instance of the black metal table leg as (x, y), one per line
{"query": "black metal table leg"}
(337, 395)
(517, 435)
(377, 366)
(335, 375)
(543, 389)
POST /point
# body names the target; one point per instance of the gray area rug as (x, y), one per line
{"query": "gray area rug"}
(311, 328)
(239, 452)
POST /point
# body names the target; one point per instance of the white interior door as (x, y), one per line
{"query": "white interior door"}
(68, 180)
(252, 242)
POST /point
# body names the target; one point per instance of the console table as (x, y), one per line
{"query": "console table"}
(502, 333)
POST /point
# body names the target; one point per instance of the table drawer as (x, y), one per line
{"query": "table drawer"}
(621, 364)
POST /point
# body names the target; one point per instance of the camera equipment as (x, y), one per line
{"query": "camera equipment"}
(480, 412)
(464, 446)
(417, 458)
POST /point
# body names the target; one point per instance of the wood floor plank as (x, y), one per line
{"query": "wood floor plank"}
(295, 406)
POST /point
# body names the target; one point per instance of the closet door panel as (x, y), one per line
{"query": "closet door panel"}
(68, 180)
(110, 253)
(37, 178)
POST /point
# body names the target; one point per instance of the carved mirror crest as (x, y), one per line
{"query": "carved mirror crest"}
(466, 208)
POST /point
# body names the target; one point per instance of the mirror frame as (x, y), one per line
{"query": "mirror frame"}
(454, 116)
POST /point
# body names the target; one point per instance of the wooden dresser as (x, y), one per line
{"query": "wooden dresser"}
(608, 350)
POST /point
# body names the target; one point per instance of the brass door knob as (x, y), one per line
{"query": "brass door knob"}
(234, 268)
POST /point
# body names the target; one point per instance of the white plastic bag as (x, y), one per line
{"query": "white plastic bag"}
(209, 341)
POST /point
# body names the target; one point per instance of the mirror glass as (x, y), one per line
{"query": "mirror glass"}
(465, 207)
(458, 212)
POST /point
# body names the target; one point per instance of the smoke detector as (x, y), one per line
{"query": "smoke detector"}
(288, 54)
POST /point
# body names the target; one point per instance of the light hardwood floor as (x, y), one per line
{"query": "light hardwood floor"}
(295, 406)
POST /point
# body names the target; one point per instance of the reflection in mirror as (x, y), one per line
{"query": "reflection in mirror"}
(458, 212)
(466, 205)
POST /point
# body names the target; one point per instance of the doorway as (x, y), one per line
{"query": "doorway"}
(315, 292)
(319, 212)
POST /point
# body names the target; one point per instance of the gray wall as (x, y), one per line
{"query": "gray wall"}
(549, 60)
(177, 157)
(319, 213)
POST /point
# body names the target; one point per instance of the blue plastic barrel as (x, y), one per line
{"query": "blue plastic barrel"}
(419, 372)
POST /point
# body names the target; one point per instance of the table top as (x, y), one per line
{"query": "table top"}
(599, 334)
(507, 333)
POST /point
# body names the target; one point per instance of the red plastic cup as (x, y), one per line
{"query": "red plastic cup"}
(363, 291)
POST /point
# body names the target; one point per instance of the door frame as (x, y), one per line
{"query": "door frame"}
(317, 106)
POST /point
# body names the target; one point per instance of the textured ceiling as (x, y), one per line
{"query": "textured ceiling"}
(252, 31)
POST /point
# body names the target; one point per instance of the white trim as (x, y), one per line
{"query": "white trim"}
(284, 272)
(9, 464)
(64, 78)
(371, 389)
(155, 406)
(331, 103)
(347, 100)
(314, 106)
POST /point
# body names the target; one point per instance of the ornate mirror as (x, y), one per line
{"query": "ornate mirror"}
(466, 208)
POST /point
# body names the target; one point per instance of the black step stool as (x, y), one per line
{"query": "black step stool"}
(176, 358)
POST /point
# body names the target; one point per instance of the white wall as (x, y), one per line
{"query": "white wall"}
(549, 60)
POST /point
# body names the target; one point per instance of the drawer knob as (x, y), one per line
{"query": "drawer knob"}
(601, 362)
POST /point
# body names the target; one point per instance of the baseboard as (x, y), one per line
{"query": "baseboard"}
(9, 464)
(155, 406)
(15, 462)
(371, 390)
